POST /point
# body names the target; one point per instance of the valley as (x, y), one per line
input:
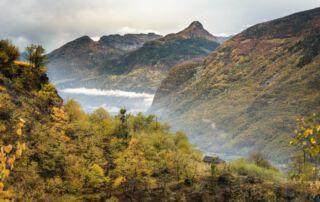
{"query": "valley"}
(141, 116)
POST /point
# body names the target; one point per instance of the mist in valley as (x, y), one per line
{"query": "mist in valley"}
(111, 100)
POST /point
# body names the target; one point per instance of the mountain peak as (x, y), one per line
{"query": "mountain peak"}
(84, 38)
(196, 25)
(194, 30)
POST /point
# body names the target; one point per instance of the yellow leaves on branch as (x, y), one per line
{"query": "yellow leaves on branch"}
(20, 126)
(18, 152)
(8, 156)
(58, 114)
(308, 135)
(5, 173)
(118, 181)
(7, 149)
(19, 131)
(308, 132)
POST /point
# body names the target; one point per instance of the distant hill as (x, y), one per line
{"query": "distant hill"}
(247, 94)
(83, 57)
(101, 64)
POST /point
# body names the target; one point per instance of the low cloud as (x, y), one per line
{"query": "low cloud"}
(115, 93)
(125, 30)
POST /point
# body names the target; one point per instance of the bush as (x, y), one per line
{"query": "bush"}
(246, 168)
(260, 160)
(8, 53)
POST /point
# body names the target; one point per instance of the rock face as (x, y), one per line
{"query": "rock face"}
(247, 94)
(133, 57)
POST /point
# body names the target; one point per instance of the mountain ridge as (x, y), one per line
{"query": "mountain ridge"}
(84, 62)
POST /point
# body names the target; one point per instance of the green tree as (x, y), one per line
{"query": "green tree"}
(98, 115)
(123, 130)
(36, 55)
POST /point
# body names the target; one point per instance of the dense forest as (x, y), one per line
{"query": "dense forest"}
(54, 151)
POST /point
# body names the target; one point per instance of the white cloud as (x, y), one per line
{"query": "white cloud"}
(125, 30)
(115, 93)
(95, 38)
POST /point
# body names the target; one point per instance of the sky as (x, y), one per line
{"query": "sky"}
(52, 23)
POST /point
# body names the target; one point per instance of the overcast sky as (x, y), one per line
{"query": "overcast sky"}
(55, 22)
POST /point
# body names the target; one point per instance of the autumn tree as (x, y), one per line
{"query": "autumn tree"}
(133, 170)
(307, 140)
(307, 135)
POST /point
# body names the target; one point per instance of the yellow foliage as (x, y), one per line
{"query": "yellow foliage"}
(18, 152)
(7, 148)
(118, 181)
(2, 127)
(22, 63)
(19, 131)
(308, 132)
(11, 160)
(6, 172)
(23, 146)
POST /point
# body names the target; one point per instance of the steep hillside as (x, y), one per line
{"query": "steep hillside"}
(113, 58)
(247, 94)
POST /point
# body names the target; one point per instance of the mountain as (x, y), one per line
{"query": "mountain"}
(142, 59)
(191, 43)
(246, 95)
(83, 57)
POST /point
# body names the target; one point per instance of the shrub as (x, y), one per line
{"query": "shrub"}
(244, 167)
(260, 160)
